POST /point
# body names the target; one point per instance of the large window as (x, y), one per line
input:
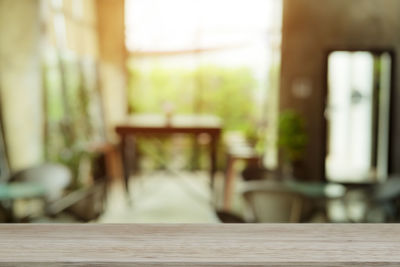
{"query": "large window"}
(73, 110)
(218, 57)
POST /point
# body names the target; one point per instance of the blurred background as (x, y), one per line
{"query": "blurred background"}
(177, 111)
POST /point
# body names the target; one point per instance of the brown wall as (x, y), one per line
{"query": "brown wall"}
(310, 29)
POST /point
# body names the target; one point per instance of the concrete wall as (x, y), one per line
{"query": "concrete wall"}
(310, 28)
(20, 81)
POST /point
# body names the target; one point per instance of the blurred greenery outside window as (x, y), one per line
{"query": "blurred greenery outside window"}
(208, 57)
(225, 92)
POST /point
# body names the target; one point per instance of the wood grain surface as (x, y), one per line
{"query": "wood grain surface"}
(199, 245)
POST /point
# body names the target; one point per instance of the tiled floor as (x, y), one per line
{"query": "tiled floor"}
(163, 197)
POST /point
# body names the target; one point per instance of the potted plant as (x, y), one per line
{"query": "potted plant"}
(292, 140)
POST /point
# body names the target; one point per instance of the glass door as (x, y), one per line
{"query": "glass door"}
(357, 116)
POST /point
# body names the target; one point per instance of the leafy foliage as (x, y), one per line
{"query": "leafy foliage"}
(225, 92)
(292, 138)
(72, 112)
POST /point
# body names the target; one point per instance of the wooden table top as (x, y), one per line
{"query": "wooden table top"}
(200, 245)
(178, 122)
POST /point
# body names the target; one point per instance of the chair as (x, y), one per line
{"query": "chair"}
(54, 178)
(46, 181)
(375, 203)
(273, 202)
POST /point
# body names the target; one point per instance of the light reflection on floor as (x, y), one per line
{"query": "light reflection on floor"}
(162, 197)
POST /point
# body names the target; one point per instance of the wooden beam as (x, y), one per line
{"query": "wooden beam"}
(111, 30)
(199, 245)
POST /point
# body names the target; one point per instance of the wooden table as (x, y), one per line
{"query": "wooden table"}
(156, 125)
(331, 245)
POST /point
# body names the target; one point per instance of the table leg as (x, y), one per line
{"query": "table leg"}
(194, 163)
(125, 163)
(128, 147)
(213, 158)
(228, 186)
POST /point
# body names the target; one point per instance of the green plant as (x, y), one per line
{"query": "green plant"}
(292, 138)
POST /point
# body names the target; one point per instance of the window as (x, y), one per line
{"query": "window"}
(207, 56)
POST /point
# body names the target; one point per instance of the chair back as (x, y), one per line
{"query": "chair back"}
(54, 177)
(274, 203)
